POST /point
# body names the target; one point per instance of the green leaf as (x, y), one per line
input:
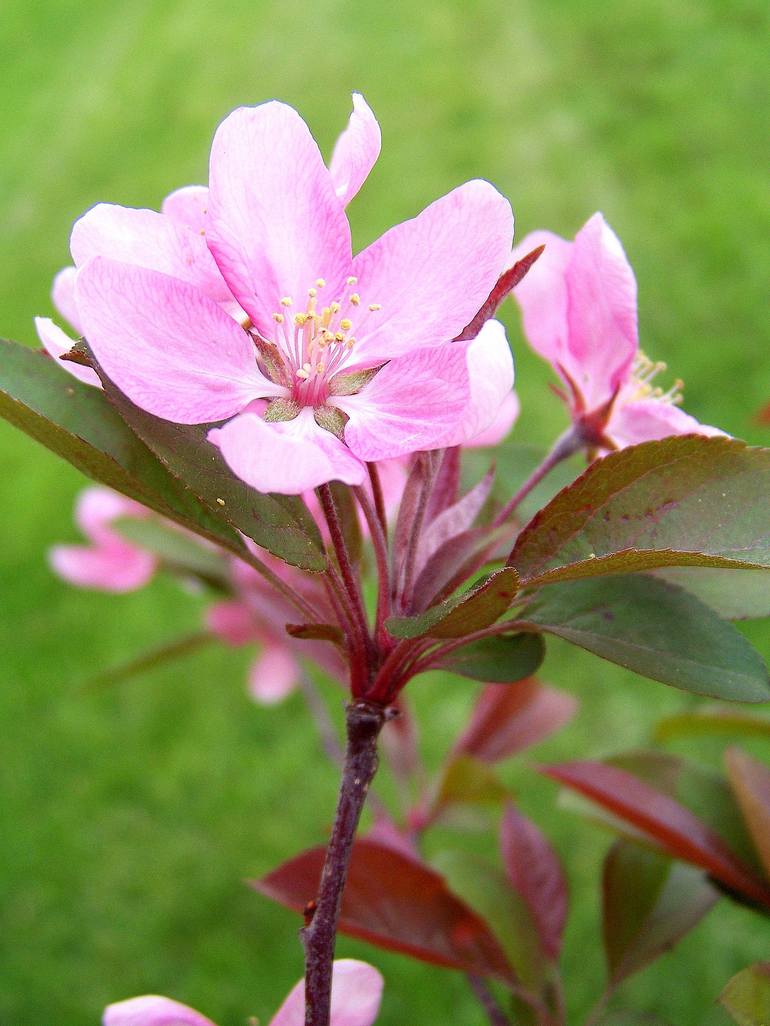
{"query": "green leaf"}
(281, 524)
(502, 659)
(487, 891)
(76, 421)
(747, 995)
(176, 550)
(717, 720)
(650, 902)
(468, 781)
(462, 614)
(656, 630)
(735, 596)
(683, 501)
(167, 652)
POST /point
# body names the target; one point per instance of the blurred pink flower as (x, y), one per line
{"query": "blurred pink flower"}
(257, 614)
(110, 562)
(343, 360)
(356, 996)
(579, 313)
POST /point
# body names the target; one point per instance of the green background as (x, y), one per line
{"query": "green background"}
(131, 816)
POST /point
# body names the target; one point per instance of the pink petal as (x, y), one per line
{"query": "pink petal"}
(148, 239)
(490, 369)
(63, 295)
(356, 151)
(97, 507)
(601, 311)
(172, 350)
(500, 427)
(232, 621)
(115, 568)
(542, 295)
(273, 675)
(287, 457)
(414, 403)
(647, 420)
(188, 206)
(151, 1010)
(275, 222)
(431, 274)
(57, 342)
(356, 996)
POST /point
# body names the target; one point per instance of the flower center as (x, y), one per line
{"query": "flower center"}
(317, 341)
(643, 373)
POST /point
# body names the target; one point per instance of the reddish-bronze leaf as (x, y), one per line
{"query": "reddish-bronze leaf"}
(683, 501)
(535, 873)
(665, 821)
(396, 903)
(507, 281)
(751, 783)
(506, 720)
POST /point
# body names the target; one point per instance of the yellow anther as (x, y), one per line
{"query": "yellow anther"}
(320, 368)
(334, 307)
(312, 293)
(320, 282)
(350, 342)
(328, 336)
(355, 299)
(307, 367)
(352, 280)
(302, 373)
(300, 319)
(278, 318)
(286, 301)
(339, 336)
(375, 306)
(345, 324)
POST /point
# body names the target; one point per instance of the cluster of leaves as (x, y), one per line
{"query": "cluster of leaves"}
(642, 560)
(687, 836)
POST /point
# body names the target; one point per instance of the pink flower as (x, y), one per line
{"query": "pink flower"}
(343, 360)
(110, 562)
(579, 312)
(356, 997)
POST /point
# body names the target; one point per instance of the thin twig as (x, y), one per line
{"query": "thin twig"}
(567, 444)
(323, 721)
(487, 1000)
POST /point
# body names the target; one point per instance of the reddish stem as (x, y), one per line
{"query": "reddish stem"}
(570, 442)
(380, 545)
(349, 577)
(379, 499)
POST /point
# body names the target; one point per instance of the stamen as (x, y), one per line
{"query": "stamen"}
(352, 280)
(302, 373)
(355, 299)
(345, 324)
(320, 282)
(375, 306)
(287, 301)
(278, 318)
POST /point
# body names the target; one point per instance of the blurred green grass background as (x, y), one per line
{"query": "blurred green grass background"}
(131, 816)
